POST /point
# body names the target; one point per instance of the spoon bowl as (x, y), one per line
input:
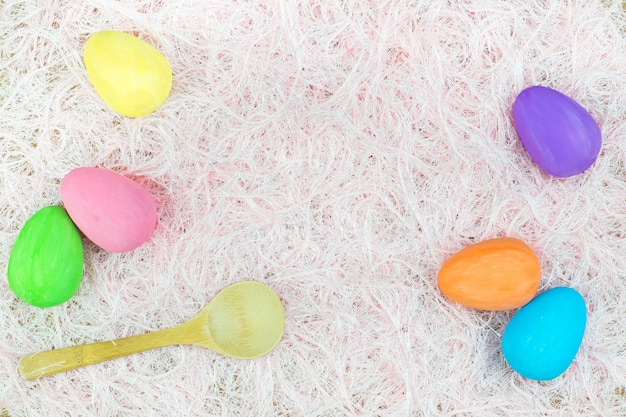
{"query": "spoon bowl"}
(244, 321)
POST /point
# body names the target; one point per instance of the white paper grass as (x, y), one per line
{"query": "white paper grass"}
(338, 151)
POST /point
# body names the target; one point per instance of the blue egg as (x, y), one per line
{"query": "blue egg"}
(543, 337)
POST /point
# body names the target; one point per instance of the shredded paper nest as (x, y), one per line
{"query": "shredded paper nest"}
(338, 151)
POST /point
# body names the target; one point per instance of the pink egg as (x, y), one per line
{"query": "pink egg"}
(113, 211)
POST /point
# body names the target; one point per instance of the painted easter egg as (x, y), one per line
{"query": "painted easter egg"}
(558, 133)
(46, 261)
(495, 274)
(130, 75)
(112, 210)
(543, 337)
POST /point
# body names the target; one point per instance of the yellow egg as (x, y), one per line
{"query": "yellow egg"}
(131, 76)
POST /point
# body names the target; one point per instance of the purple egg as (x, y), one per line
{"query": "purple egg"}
(557, 132)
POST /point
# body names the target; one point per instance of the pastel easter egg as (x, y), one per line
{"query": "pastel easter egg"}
(543, 337)
(558, 133)
(131, 76)
(46, 262)
(495, 274)
(112, 210)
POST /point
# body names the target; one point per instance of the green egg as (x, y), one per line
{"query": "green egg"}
(46, 262)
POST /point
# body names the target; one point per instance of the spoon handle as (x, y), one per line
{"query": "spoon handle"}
(36, 365)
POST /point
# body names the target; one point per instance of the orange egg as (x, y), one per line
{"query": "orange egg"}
(495, 274)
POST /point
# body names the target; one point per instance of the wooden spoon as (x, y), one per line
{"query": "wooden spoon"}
(245, 320)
